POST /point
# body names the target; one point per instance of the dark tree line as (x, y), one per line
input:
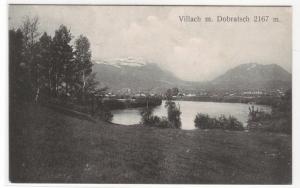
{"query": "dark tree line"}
(42, 66)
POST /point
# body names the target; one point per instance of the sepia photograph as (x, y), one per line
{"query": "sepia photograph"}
(127, 94)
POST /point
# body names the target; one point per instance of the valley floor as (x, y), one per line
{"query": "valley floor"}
(51, 147)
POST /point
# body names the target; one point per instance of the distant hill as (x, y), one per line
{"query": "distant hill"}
(138, 75)
(253, 76)
(135, 74)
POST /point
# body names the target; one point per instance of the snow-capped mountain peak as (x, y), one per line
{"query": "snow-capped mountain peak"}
(251, 66)
(119, 62)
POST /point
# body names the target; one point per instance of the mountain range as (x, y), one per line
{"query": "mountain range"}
(253, 76)
(138, 75)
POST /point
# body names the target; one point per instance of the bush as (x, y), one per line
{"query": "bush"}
(257, 115)
(161, 122)
(146, 114)
(104, 114)
(148, 119)
(277, 121)
(173, 114)
(173, 120)
(203, 121)
(164, 123)
(233, 124)
(154, 121)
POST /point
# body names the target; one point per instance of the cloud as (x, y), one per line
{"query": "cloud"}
(193, 51)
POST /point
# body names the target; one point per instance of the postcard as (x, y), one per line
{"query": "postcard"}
(150, 94)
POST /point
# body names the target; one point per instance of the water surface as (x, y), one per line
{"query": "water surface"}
(189, 109)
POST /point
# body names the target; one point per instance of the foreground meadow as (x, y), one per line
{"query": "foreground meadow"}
(50, 146)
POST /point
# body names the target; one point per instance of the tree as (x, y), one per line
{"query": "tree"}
(175, 91)
(286, 102)
(30, 37)
(173, 111)
(19, 78)
(91, 84)
(83, 62)
(169, 94)
(146, 114)
(30, 31)
(64, 66)
(173, 114)
(45, 63)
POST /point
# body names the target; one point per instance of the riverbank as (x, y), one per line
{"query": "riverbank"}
(261, 100)
(48, 146)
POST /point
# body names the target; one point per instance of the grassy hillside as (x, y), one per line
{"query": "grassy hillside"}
(47, 146)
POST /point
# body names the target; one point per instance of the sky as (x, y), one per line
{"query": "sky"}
(194, 51)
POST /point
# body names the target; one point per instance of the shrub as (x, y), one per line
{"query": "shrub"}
(164, 123)
(280, 120)
(222, 121)
(154, 121)
(203, 121)
(104, 114)
(233, 124)
(257, 115)
(277, 121)
(173, 114)
(161, 122)
(173, 120)
(146, 114)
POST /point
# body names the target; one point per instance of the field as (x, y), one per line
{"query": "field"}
(50, 146)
